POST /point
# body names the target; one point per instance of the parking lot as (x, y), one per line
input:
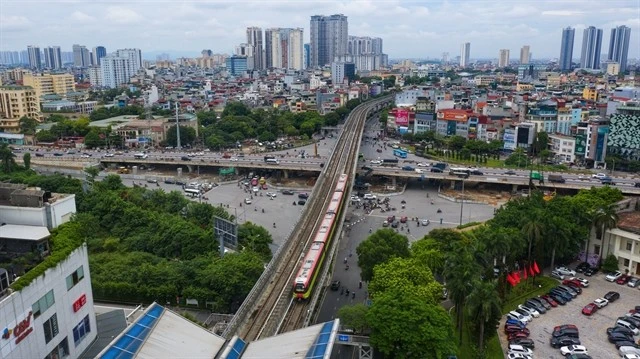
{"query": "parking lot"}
(593, 329)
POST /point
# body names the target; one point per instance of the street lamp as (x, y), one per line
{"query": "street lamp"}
(462, 202)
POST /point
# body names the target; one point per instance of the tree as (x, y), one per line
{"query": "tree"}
(533, 230)
(540, 143)
(235, 108)
(403, 325)
(405, 274)
(456, 143)
(26, 158)
(484, 308)
(381, 246)
(354, 316)
(187, 136)
(7, 158)
(207, 118)
(92, 173)
(28, 125)
(428, 252)
(606, 218)
(461, 272)
(94, 138)
(255, 238)
(610, 264)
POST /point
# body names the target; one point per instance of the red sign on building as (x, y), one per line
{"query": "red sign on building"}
(79, 303)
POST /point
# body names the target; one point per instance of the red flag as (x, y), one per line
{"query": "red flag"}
(531, 271)
(525, 273)
(516, 276)
(511, 280)
(535, 267)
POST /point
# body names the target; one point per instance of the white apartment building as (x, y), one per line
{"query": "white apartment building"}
(135, 55)
(116, 70)
(287, 49)
(562, 147)
(95, 76)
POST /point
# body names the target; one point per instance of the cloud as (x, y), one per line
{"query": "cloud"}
(14, 23)
(122, 15)
(80, 17)
(562, 13)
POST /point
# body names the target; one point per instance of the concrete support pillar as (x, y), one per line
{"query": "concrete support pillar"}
(393, 181)
(190, 168)
(514, 188)
(452, 185)
(285, 173)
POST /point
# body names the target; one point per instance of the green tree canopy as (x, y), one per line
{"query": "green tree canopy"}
(187, 136)
(405, 274)
(381, 246)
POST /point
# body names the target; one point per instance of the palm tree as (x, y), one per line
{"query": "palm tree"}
(483, 305)
(533, 230)
(461, 272)
(7, 158)
(606, 218)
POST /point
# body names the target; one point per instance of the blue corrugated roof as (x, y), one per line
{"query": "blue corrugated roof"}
(236, 349)
(129, 343)
(319, 347)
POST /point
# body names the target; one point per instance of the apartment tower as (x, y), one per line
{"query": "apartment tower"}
(591, 44)
(619, 46)
(566, 49)
(329, 37)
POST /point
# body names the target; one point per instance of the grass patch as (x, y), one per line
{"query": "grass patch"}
(494, 350)
(466, 225)
(526, 290)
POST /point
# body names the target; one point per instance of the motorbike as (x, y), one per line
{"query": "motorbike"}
(439, 210)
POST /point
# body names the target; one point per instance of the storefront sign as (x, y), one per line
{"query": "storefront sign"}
(14, 333)
(79, 303)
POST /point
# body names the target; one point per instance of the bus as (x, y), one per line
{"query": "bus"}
(400, 153)
(191, 192)
(390, 162)
(460, 172)
(141, 156)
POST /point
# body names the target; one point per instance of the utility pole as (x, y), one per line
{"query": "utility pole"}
(178, 146)
(462, 202)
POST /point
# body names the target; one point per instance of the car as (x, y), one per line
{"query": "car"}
(591, 271)
(580, 268)
(303, 195)
(517, 323)
(425, 222)
(572, 281)
(525, 313)
(626, 343)
(637, 184)
(38, 154)
(391, 219)
(476, 173)
(557, 275)
(599, 175)
(423, 164)
(419, 170)
(385, 223)
(613, 276)
(612, 296)
(573, 349)
(408, 168)
(185, 158)
(590, 309)
(510, 172)
(576, 287)
(560, 296)
(513, 329)
(601, 302)
(530, 311)
(515, 348)
(540, 305)
(302, 202)
(630, 355)
(557, 342)
(517, 335)
(436, 170)
(375, 162)
(525, 342)
(624, 279)
(625, 323)
(582, 282)
(58, 154)
(108, 155)
(631, 319)
(549, 300)
(152, 180)
(569, 290)
(621, 330)
(369, 196)
(565, 271)
(518, 356)
(569, 332)
(633, 282)
(578, 356)
(288, 192)
(628, 350)
(335, 285)
(607, 180)
(247, 200)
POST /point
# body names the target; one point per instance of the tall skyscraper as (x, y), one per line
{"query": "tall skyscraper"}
(503, 58)
(591, 44)
(285, 48)
(116, 70)
(97, 54)
(329, 36)
(364, 52)
(254, 38)
(619, 46)
(307, 55)
(135, 55)
(566, 49)
(81, 56)
(465, 52)
(53, 57)
(34, 57)
(524, 55)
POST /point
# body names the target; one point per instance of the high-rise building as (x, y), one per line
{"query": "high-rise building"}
(341, 71)
(95, 76)
(524, 55)
(365, 52)
(619, 46)
(307, 55)
(81, 56)
(254, 38)
(285, 48)
(246, 50)
(16, 102)
(591, 44)
(135, 55)
(35, 61)
(503, 58)
(116, 70)
(236, 65)
(52, 57)
(465, 52)
(97, 54)
(50, 84)
(566, 49)
(329, 36)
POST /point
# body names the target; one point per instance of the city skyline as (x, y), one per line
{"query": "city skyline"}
(488, 25)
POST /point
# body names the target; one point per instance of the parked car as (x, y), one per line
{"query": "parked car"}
(628, 350)
(628, 325)
(618, 337)
(515, 315)
(559, 292)
(518, 356)
(576, 287)
(515, 348)
(591, 271)
(580, 268)
(631, 355)
(619, 329)
(633, 282)
(558, 298)
(513, 329)
(626, 343)
(511, 321)
(590, 309)
(303, 195)
(567, 332)
(601, 302)
(583, 282)
(573, 349)
(624, 279)
(613, 276)
(537, 304)
(549, 300)
(557, 275)
(612, 296)
(517, 335)
(565, 271)
(302, 202)
(633, 320)
(530, 311)
(557, 342)
(525, 342)
(287, 192)
(569, 290)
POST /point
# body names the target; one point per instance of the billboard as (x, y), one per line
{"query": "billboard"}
(581, 145)
(402, 117)
(509, 139)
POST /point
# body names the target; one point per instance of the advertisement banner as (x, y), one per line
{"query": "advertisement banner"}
(581, 144)
(402, 117)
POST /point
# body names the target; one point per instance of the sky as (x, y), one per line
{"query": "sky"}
(409, 29)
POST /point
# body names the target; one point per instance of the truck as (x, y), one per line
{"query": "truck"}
(535, 175)
(390, 162)
(556, 178)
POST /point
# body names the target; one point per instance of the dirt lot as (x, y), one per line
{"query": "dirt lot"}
(593, 329)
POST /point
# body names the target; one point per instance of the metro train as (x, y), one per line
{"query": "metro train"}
(313, 259)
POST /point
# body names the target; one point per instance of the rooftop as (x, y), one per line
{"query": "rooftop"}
(22, 232)
(629, 221)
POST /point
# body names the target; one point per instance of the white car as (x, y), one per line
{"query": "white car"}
(419, 170)
(574, 349)
(601, 302)
(423, 164)
(512, 355)
(515, 315)
(271, 194)
(599, 176)
(85, 156)
(625, 350)
(369, 196)
(425, 222)
(583, 282)
(235, 159)
(376, 162)
(557, 275)
(613, 276)
(565, 271)
(513, 348)
(631, 356)
(108, 154)
(355, 198)
(532, 312)
(247, 200)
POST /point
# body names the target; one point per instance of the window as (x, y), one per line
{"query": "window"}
(625, 262)
(629, 245)
(75, 277)
(596, 248)
(50, 328)
(43, 304)
(81, 330)
(61, 351)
